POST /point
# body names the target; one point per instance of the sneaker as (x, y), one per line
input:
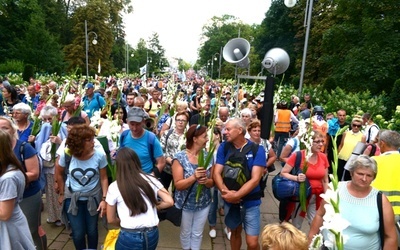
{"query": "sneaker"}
(212, 233)
(58, 223)
(228, 234)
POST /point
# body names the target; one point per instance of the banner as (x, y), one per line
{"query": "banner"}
(143, 70)
(99, 67)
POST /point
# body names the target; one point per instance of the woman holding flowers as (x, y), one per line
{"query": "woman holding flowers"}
(188, 174)
(315, 165)
(359, 222)
(43, 145)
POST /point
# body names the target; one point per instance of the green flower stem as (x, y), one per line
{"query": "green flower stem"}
(36, 126)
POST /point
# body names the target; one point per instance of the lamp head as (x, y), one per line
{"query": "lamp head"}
(94, 41)
(290, 3)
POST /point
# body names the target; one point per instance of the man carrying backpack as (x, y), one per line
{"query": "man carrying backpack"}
(238, 170)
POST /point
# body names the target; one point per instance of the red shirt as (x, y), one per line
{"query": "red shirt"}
(315, 172)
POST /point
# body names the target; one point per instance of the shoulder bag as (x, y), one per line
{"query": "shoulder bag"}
(173, 214)
(284, 188)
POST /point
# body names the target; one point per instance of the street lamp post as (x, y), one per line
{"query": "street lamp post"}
(94, 41)
(148, 61)
(127, 59)
(214, 58)
(307, 24)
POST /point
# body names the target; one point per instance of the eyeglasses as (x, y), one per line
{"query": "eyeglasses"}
(319, 142)
(198, 127)
(179, 120)
(356, 125)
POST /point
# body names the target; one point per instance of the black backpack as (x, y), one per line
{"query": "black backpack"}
(236, 171)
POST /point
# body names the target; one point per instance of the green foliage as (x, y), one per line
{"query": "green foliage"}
(11, 66)
(394, 97)
(28, 72)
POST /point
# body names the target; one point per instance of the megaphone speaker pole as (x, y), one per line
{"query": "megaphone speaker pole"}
(267, 110)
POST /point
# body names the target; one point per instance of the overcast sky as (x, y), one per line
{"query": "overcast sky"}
(179, 22)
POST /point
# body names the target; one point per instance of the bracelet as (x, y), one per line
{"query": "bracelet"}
(104, 198)
(61, 194)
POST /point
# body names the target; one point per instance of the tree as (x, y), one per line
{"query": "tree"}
(96, 14)
(25, 35)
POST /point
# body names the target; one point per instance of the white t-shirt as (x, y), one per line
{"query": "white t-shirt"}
(148, 219)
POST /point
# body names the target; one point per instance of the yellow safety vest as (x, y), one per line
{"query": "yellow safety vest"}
(388, 179)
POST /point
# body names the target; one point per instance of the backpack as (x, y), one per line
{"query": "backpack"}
(369, 132)
(64, 113)
(41, 178)
(150, 147)
(236, 171)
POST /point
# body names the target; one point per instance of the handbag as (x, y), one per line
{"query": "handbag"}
(284, 188)
(173, 214)
(45, 154)
(111, 239)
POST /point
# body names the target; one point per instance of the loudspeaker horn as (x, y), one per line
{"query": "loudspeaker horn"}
(276, 61)
(236, 51)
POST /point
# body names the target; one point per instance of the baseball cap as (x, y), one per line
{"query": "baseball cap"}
(136, 114)
(89, 86)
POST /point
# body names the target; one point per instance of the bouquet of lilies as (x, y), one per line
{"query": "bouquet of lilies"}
(305, 134)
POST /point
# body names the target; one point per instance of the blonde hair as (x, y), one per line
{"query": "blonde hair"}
(283, 236)
(357, 118)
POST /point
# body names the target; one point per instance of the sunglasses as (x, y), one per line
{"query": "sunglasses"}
(179, 120)
(356, 126)
(319, 142)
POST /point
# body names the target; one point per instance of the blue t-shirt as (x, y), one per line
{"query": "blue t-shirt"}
(34, 186)
(84, 175)
(259, 160)
(24, 134)
(35, 101)
(95, 104)
(141, 147)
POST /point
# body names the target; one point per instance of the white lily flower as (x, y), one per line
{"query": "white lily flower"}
(336, 224)
(330, 195)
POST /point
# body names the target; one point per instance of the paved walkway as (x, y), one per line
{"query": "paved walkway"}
(58, 237)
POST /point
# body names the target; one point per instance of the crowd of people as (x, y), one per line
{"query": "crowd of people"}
(159, 133)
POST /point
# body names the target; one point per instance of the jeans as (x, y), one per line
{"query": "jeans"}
(137, 240)
(280, 140)
(192, 227)
(212, 214)
(83, 224)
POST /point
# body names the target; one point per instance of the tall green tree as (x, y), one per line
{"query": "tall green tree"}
(362, 49)
(96, 14)
(24, 36)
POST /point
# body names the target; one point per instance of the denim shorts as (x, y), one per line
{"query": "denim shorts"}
(249, 217)
(137, 239)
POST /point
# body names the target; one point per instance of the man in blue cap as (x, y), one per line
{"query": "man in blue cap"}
(92, 102)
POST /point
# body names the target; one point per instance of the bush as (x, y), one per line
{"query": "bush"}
(12, 66)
